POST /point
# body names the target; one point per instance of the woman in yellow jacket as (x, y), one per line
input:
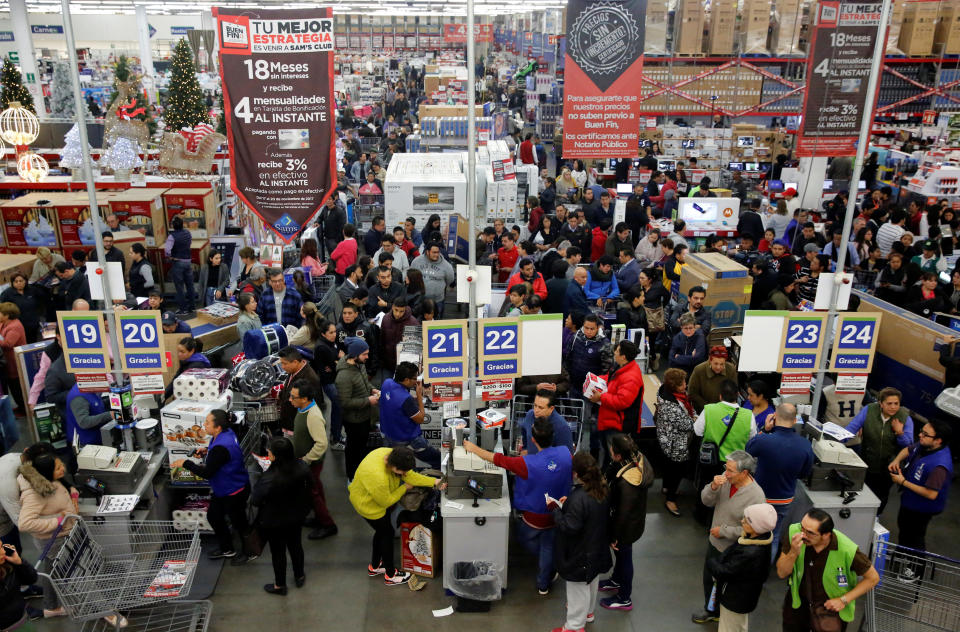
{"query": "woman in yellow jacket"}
(381, 480)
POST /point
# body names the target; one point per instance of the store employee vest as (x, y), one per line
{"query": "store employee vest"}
(84, 436)
(394, 424)
(879, 443)
(232, 477)
(918, 468)
(137, 287)
(181, 244)
(549, 471)
(842, 558)
(717, 418)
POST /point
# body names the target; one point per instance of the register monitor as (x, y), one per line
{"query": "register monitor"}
(710, 214)
(624, 188)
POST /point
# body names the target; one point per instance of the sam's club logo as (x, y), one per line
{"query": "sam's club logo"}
(286, 226)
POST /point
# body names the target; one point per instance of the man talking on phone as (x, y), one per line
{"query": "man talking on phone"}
(401, 414)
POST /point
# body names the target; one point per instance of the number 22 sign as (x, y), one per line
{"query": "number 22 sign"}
(802, 342)
(499, 348)
(141, 341)
(84, 342)
(445, 350)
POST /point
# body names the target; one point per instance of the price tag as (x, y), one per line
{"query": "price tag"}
(802, 342)
(84, 342)
(499, 348)
(141, 341)
(444, 350)
(855, 342)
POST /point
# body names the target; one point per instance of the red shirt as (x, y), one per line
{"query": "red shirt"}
(344, 255)
(507, 259)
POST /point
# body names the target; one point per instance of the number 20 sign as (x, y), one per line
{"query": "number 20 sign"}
(445, 350)
(802, 343)
(141, 341)
(84, 342)
(499, 348)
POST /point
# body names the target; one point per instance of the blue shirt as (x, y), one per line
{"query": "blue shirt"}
(783, 456)
(397, 407)
(561, 432)
(760, 417)
(904, 440)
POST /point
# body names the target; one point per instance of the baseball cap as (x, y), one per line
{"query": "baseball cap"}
(168, 318)
(791, 191)
(929, 245)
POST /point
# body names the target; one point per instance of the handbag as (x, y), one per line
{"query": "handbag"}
(253, 543)
(823, 620)
(710, 451)
(656, 322)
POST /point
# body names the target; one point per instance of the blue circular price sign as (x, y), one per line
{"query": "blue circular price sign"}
(445, 350)
(84, 341)
(141, 341)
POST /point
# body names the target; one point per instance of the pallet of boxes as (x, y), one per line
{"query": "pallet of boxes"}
(728, 286)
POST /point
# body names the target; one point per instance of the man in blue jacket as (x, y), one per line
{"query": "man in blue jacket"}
(401, 414)
(601, 283)
(279, 303)
(575, 300)
(544, 407)
(783, 456)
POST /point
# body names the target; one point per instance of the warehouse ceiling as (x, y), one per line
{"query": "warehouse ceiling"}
(371, 7)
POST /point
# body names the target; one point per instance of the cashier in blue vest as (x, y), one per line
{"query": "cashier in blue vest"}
(86, 412)
(548, 473)
(544, 407)
(401, 414)
(923, 471)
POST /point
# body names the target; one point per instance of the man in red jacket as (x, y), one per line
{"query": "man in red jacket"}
(621, 405)
(528, 151)
(529, 274)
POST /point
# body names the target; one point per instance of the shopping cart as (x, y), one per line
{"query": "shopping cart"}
(257, 416)
(176, 616)
(105, 567)
(570, 409)
(918, 591)
(322, 285)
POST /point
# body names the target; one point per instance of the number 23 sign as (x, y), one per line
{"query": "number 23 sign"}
(802, 342)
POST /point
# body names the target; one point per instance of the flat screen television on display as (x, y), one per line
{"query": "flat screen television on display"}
(751, 166)
(667, 165)
(775, 186)
(612, 164)
(735, 166)
(704, 212)
(745, 141)
(764, 166)
(827, 185)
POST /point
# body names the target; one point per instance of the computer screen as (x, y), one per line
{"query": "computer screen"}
(752, 166)
(667, 165)
(698, 211)
(624, 188)
(735, 166)
(775, 186)
(827, 185)
(745, 141)
(689, 143)
(764, 166)
(862, 185)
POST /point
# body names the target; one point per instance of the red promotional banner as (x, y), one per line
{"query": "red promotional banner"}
(277, 72)
(603, 73)
(458, 33)
(838, 70)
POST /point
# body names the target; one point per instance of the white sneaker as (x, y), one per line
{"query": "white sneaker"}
(398, 578)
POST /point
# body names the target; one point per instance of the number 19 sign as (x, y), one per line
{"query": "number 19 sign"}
(141, 341)
(499, 348)
(802, 344)
(84, 342)
(445, 350)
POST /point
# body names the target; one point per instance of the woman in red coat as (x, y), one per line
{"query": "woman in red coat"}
(622, 403)
(12, 335)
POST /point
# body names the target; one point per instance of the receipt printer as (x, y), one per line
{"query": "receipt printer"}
(836, 467)
(96, 457)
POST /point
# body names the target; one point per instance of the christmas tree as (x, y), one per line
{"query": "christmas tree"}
(122, 74)
(13, 89)
(62, 103)
(222, 120)
(185, 103)
(71, 156)
(123, 154)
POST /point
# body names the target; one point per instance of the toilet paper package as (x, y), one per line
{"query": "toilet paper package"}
(201, 385)
(594, 384)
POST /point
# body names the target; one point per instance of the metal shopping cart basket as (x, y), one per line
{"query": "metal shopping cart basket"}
(257, 416)
(176, 616)
(569, 408)
(105, 567)
(918, 591)
(322, 285)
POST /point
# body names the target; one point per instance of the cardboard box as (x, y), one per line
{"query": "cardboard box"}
(419, 550)
(947, 34)
(142, 210)
(181, 423)
(30, 220)
(11, 264)
(75, 222)
(689, 37)
(919, 27)
(785, 36)
(723, 22)
(728, 285)
(219, 313)
(458, 237)
(896, 23)
(655, 38)
(754, 25)
(197, 207)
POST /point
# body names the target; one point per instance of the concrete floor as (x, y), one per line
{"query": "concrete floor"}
(667, 586)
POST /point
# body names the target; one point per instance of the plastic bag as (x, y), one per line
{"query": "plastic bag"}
(479, 580)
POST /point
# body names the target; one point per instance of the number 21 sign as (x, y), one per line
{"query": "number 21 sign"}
(84, 342)
(802, 343)
(445, 350)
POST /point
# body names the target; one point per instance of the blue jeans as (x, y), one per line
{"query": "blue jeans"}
(210, 296)
(623, 570)
(181, 273)
(421, 449)
(782, 512)
(336, 413)
(540, 543)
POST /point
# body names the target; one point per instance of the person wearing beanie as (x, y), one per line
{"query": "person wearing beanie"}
(358, 399)
(706, 377)
(779, 298)
(741, 570)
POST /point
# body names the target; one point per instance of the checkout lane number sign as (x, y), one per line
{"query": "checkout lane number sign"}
(802, 342)
(83, 338)
(141, 341)
(855, 342)
(499, 348)
(445, 350)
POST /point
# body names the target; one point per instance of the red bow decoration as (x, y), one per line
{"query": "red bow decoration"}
(195, 135)
(126, 112)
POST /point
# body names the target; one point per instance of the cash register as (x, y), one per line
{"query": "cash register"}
(118, 471)
(836, 467)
